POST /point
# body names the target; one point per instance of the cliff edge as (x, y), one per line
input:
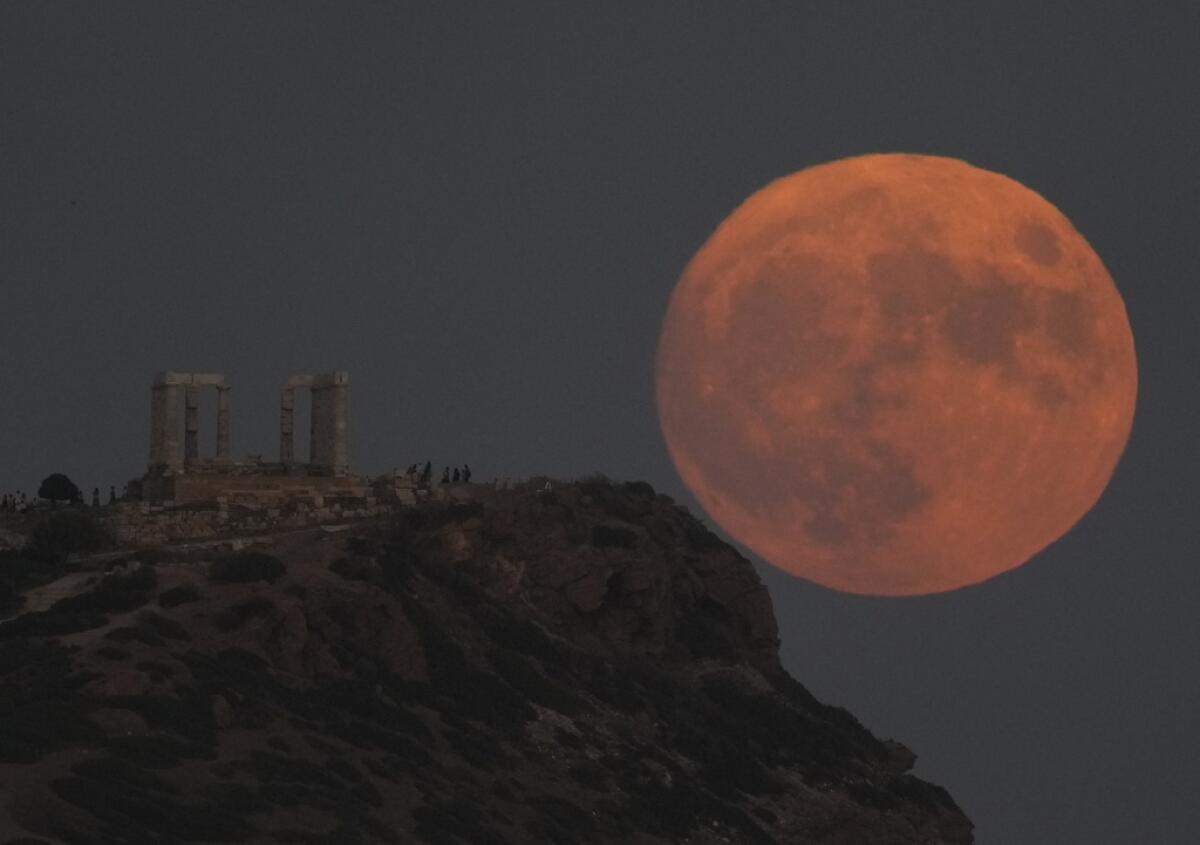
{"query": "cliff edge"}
(581, 664)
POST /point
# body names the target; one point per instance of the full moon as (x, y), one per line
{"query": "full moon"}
(896, 374)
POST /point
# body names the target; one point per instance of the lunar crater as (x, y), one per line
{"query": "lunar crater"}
(1039, 243)
(983, 321)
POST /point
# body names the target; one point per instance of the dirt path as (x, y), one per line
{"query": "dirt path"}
(41, 598)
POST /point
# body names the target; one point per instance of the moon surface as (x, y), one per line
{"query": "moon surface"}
(896, 374)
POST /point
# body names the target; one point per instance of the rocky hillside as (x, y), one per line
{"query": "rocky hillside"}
(588, 664)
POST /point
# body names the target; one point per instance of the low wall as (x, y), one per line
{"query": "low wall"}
(236, 486)
(139, 524)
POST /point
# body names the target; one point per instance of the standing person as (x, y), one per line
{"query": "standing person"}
(445, 475)
(112, 495)
(457, 476)
(467, 473)
(427, 473)
(95, 497)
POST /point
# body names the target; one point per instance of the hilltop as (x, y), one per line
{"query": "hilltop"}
(582, 664)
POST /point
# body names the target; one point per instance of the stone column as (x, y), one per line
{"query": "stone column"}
(164, 425)
(339, 451)
(287, 438)
(223, 450)
(329, 451)
(318, 436)
(191, 425)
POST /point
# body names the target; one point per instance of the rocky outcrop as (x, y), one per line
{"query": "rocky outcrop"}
(615, 566)
(584, 664)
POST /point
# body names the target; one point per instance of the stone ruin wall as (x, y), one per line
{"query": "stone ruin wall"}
(140, 524)
(249, 487)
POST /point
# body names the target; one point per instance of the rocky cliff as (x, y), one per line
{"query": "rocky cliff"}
(585, 664)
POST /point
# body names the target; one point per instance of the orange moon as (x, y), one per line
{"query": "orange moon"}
(896, 374)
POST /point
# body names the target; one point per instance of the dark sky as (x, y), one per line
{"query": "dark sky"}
(481, 212)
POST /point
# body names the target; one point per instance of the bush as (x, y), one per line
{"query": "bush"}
(433, 516)
(245, 567)
(618, 501)
(164, 627)
(356, 568)
(65, 533)
(639, 489)
(131, 577)
(235, 616)
(613, 536)
(527, 678)
(136, 805)
(697, 536)
(18, 572)
(454, 819)
(178, 595)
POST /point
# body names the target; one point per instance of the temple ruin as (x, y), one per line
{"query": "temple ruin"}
(164, 419)
(181, 475)
(327, 436)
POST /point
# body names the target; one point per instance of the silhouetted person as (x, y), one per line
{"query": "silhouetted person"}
(446, 475)
(95, 497)
(112, 495)
(457, 477)
(427, 473)
(466, 472)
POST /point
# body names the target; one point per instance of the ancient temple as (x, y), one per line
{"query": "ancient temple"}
(182, 475)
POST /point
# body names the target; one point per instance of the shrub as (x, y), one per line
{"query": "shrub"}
(557, 820)
(697, 535)
(236, 615)
(164, 627)
(120, 591)
(615, 500)
(524, 676)
(41, 709)
(356, 568)
(454, 819)
(126, 634)
(589, 773)
(613, 536)
(178, 595)
(63, 533)
(18, 572)
(343, 769)
(128, 578)
(246, 567)
(639, 489)
(433, 516)
(143, 807)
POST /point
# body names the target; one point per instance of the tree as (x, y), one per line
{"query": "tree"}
(58, 488)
